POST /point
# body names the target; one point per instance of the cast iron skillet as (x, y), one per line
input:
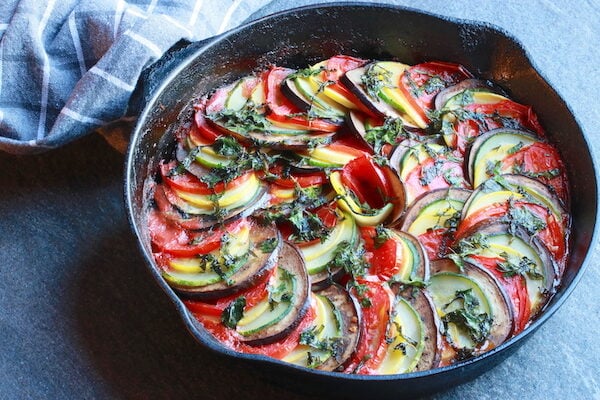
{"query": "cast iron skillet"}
(302, 36)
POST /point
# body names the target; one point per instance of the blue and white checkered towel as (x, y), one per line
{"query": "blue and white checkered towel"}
(69, 66)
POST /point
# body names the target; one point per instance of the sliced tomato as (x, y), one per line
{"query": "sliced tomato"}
(375, 313)
(515, 287)
(539, 160)
(191, 184)
(422, 82)
(384, 258)
(340, 64)
(216, 102)
(367, 180)
(204, 130)
(431, 174)
(253, 296)
(276, 101)
(436, 242)
(178, 242)
(302, 180)
(326, 213)
(277, 349)
(485, 117)
(303, 122)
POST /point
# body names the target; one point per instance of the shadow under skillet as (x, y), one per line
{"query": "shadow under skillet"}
(80, 315)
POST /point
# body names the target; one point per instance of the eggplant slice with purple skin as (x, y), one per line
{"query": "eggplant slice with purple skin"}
(468, 84)
(245, 270)
(288, 300)
(449, 286)
(422, 303)
(331, 339)
(522, 254)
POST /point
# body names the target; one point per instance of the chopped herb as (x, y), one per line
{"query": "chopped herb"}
(382, 235)
(453, 179)
(390, 132)
(522, 217)
(234, 312)
(515, 148)
(471, 245)
(268, 245)
(376, 78)
(280, 293)
(429, 173)
(227, 146)
(466, 316)
(247, 119)
(513, 266)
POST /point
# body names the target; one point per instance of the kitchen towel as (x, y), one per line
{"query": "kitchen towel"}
(70, 66)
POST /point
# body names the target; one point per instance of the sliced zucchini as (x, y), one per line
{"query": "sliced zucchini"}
(249, 265)
(490, 149)
(333, 335)
(285, 306)
(319, 255)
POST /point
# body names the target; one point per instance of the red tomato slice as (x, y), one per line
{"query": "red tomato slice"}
(367, 181)
(383, 258)
(515, 287)
(414, 183)
(339, 65)
(414, 83)
(302, 180)
(205, 131)
(276, 101)
(368, 352)
(177, 242)
(540, 158)
(276, 350)
(494, 116)
(304, 122)
(436, 242)
(191, 184)
(253, 296)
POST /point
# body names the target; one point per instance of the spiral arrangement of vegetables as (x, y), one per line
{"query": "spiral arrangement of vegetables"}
(361, 216)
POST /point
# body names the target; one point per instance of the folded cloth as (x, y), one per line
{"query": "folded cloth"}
(70, 66)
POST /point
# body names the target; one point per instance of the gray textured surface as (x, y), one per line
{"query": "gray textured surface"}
(81, 318)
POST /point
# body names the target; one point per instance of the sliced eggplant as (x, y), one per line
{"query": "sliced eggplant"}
(405, 339)
(475, 311)
(319, 256)
(434, 210)
(434, 217)
(301, 92)
(490, 149)
(523, 255)
(232, 279)
(353, 80)
(500, 190)
(468, 84)
(414, 260)
(432, 339)
(332, 337)
(297, 141)
(274, 317)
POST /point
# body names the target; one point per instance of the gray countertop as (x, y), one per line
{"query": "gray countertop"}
(80, 317)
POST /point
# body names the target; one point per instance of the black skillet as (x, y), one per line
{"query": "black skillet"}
(302, 36)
